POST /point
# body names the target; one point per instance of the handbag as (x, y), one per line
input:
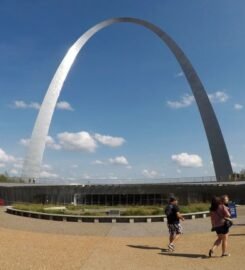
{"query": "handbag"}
(228, 222)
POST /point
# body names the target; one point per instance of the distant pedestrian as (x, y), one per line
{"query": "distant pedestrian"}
(219, 213)
(173, 218)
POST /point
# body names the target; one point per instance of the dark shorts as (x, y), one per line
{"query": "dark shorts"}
(175, 229)
(221, 230)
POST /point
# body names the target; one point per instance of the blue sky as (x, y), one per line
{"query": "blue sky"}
(126, 110)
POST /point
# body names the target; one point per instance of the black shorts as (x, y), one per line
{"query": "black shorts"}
(221, 230)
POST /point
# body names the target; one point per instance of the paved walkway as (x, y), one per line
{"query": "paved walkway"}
(49, 245)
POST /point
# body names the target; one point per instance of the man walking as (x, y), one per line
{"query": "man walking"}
(173, 216)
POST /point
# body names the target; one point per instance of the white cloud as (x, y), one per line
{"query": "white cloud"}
(77, 141)
(24, 142)
(121, 160)
(187, 160)
(238, 106)
(149, 174)
(64, 105)
(180, 74)
(20, 104)
(2, 165)
(237, 166)
(98, 162)
(218, 97)
(109, 140)
(234, 164)
(4, 157)
(34, 105)
(185, 101)
(50, 143)
(46, 174)
(47, 167)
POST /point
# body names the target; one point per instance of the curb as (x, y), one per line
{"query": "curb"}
(100, 219)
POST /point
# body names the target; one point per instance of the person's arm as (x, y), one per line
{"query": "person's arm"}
(180, 216)
(226, 212)
(212, 219)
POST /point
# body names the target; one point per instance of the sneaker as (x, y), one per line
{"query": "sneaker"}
(171, 247)
(226, 255)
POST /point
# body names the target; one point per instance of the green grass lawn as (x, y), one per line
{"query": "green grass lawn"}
(98, 210)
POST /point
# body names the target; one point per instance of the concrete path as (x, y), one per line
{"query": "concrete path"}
(44, 245)
(103, 229)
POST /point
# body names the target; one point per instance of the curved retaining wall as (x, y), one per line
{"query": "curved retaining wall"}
(99, 219)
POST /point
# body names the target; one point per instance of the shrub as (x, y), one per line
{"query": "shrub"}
(195, 207)
(29, 207)
(142, 211)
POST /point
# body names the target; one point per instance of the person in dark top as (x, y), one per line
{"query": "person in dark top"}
(173, 217)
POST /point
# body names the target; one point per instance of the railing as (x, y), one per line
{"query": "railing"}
(105, 181)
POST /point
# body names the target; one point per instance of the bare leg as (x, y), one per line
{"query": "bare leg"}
(173, 238)
(224, 243)
(217, 242)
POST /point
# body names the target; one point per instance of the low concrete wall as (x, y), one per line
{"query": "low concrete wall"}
(99, 219)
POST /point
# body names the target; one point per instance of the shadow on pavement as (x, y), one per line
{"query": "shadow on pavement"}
(146, 247)
(186, 255)
(167, 253)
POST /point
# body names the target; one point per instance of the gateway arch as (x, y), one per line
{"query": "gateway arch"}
(33, 160)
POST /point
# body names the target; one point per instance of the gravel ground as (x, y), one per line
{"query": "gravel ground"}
(49, 245)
